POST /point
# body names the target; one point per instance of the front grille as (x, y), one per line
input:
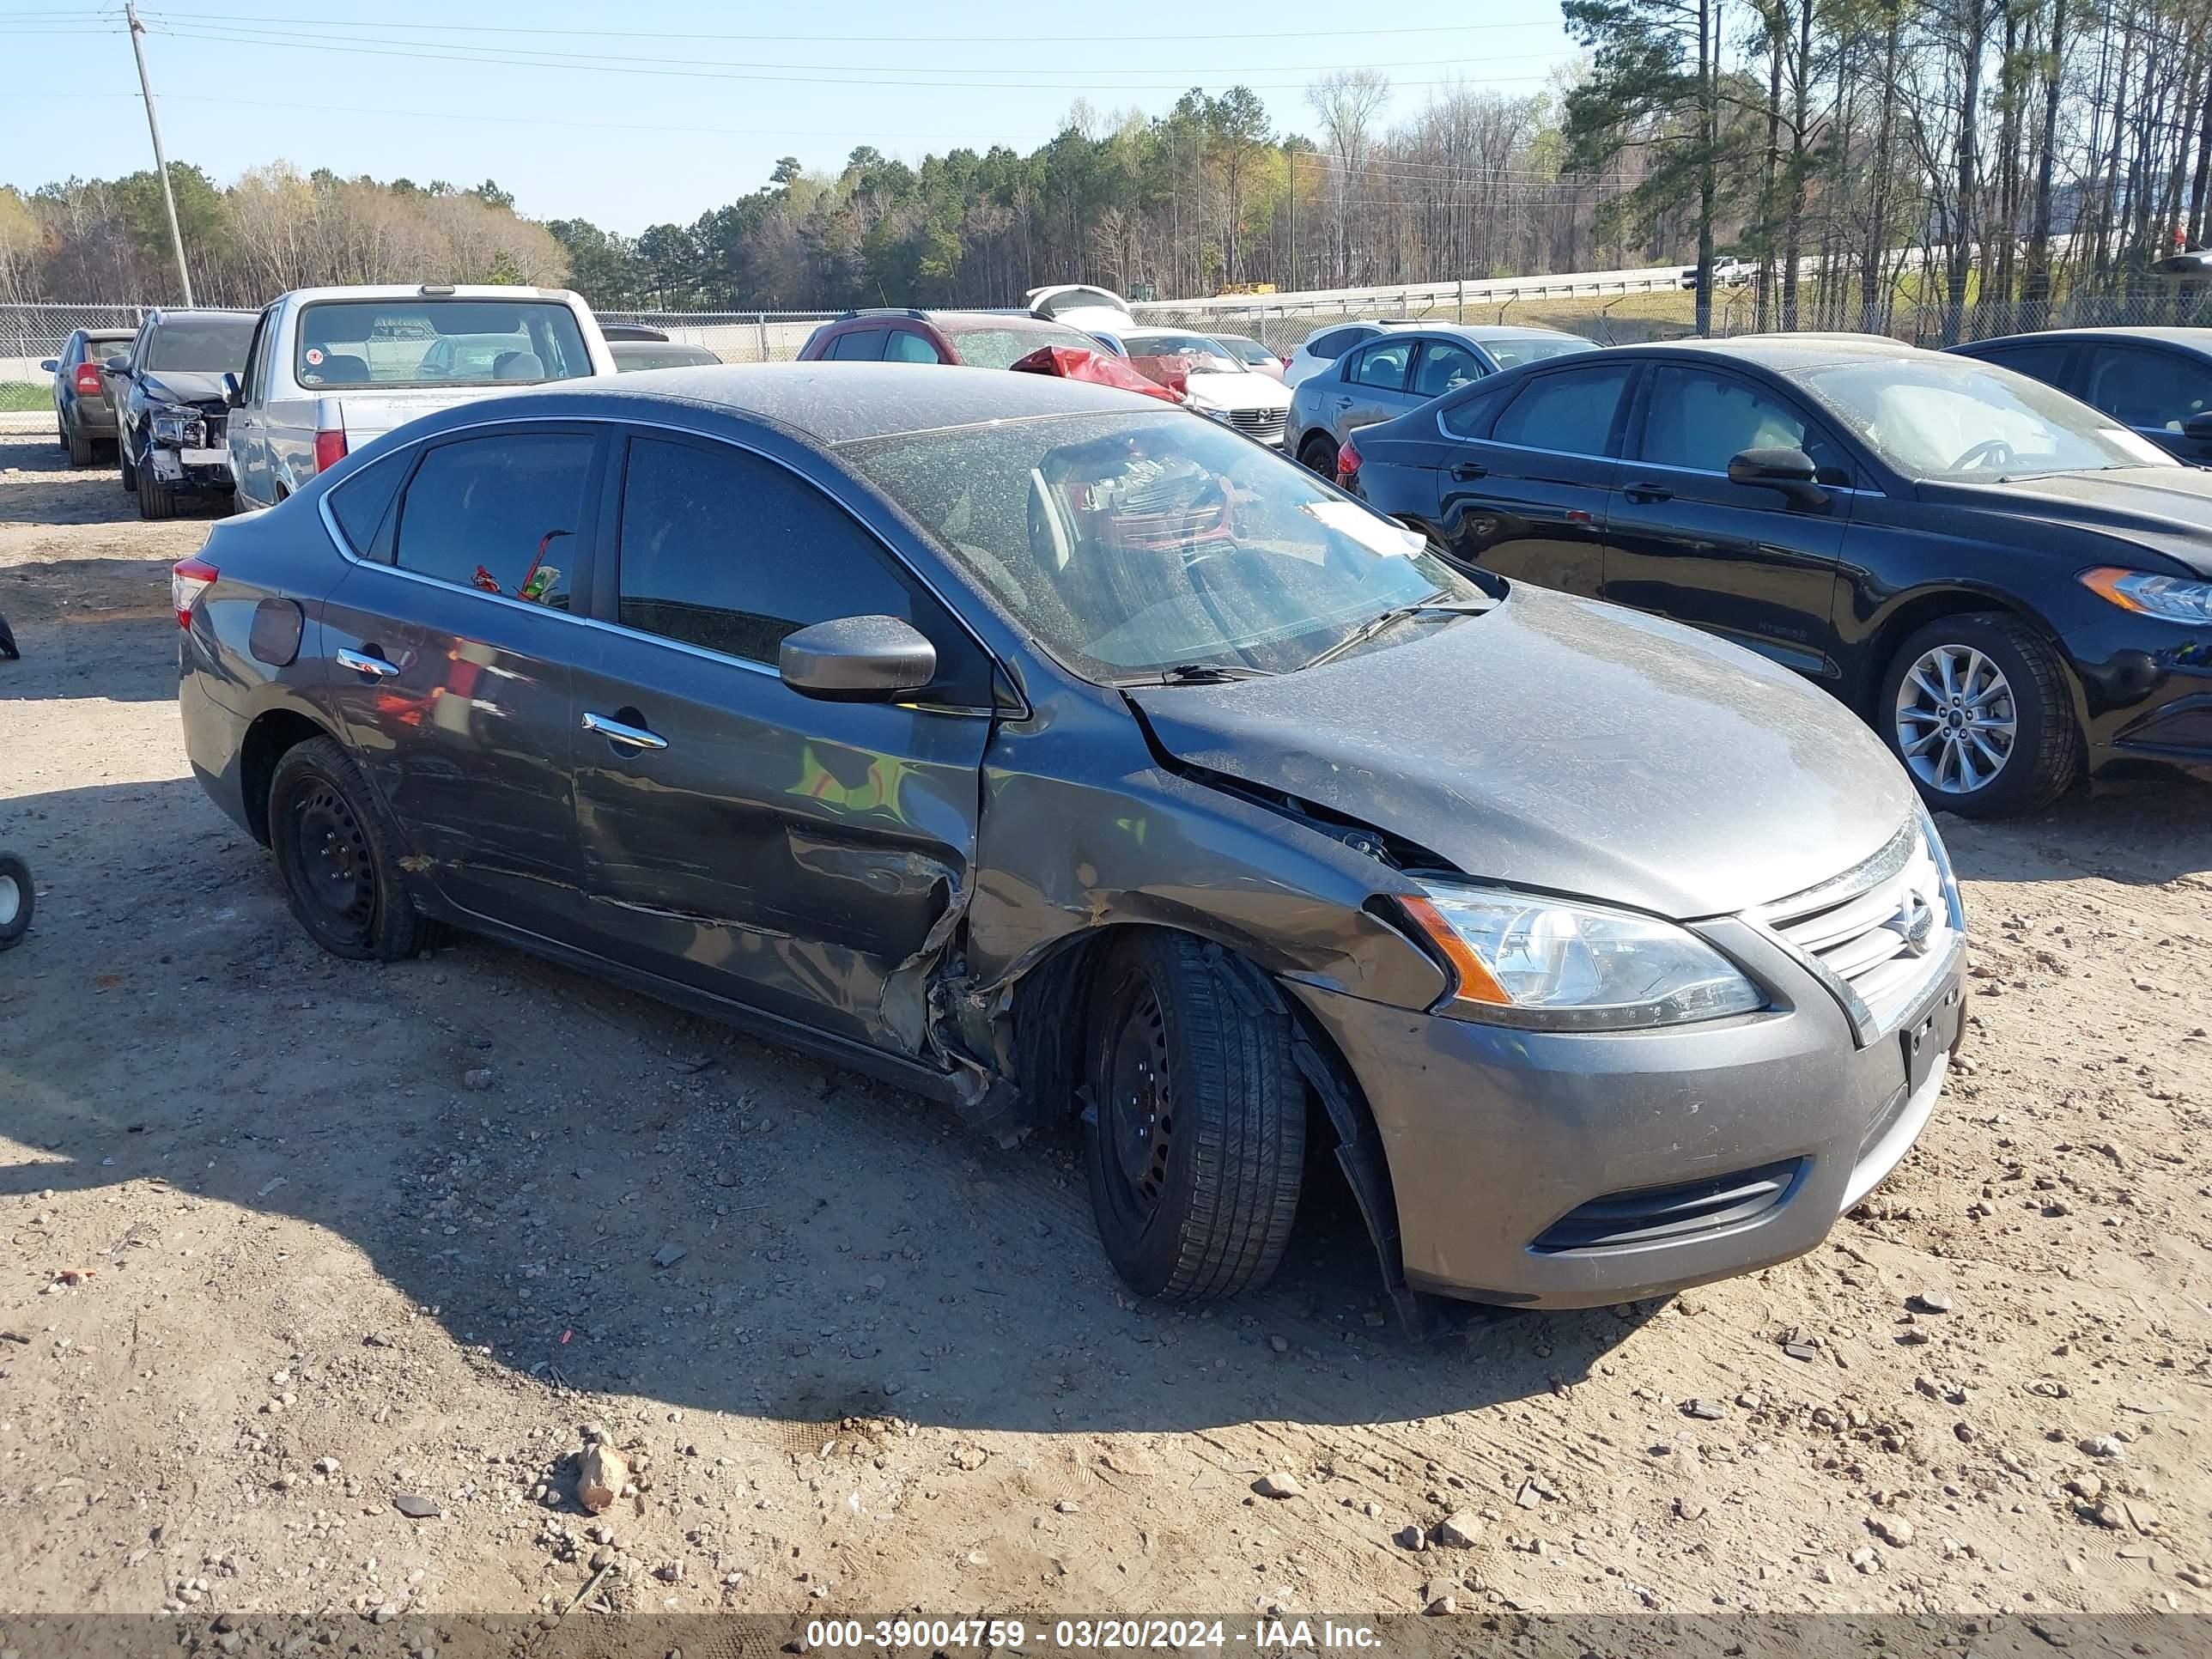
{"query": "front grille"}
(1670, 1214)
(1883, 929)
(1265, 424)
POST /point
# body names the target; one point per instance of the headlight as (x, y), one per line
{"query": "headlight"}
(1523, 960)
(179, 428)
(2172, 599)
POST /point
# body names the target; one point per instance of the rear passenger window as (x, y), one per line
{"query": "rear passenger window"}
(1382, 366)
(1334, 344)
(861, 345)
(363, 502)
(728, 551)
(1570, 412)
(499, 514)
(905, 346)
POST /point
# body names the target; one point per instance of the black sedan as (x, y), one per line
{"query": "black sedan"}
(2158, 380)
(1061, 754)
(2012, 589)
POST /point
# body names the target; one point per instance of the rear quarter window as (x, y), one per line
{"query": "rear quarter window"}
(361, 505)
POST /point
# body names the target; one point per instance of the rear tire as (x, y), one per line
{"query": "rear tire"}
(1318, 455)
(16, 901)
(156, 500)
(337, 857)
(1980, 708)
(1194, 1133)
(79, 447)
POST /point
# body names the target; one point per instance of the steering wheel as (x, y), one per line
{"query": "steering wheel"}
(1994, 451)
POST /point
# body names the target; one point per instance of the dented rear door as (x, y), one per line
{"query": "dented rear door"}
(809, 858)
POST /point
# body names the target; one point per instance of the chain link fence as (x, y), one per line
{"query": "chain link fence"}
(1611, 312)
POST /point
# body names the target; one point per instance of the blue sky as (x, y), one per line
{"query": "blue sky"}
(657, 109)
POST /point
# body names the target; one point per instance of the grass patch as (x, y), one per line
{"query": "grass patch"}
(15, 395)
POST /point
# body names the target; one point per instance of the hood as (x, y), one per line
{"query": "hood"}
(1568, 746)
(1238, 391)
(183, 386)
(2166, 509)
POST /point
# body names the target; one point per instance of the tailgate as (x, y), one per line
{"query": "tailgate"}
(365, 413)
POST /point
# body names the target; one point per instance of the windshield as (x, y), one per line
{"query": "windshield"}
(439, 343)
(631, 356)
(202, 345)
(1244, 351)
(1513, 353)
(1002, 348)
(1206, 355)
(1938, 418)
(1128, 543)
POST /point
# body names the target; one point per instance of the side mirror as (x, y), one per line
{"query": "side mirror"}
(232, 393)
(2197, 429)
(51, 364)
(857, 659)
(1790, 470)
(116, 366)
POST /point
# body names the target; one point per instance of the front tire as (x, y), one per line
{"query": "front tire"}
(338, 860)
(1195, 1132)
(1980, 708)
(16, 901)
(156, 500)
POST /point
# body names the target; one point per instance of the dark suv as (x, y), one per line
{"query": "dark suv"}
(170, 411)
(980, 339)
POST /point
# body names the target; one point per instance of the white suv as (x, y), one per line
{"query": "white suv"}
(330, 369)
(1325, 345)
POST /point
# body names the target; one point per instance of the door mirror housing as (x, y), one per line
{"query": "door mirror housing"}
(116, 366)
(2197, 429)
(51, 364)
(233, 393)
(1790, 470)
(857, 659)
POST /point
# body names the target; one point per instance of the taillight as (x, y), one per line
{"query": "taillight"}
(1348, 461)
(1286, 362)
(188, 579)
(88, 380)
(330, 449)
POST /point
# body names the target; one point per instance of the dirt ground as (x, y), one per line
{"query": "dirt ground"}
(287, 1238)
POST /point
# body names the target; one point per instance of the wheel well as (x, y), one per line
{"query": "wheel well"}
(1050, 1030)
(1913, 614)
(266, 740)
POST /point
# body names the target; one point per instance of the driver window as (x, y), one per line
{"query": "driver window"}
(1698, 421)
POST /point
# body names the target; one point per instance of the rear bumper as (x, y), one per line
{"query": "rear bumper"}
(215, 739)
(92, 415)
(1555, 1170)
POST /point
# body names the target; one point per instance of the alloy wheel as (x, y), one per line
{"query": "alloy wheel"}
(1957, 719)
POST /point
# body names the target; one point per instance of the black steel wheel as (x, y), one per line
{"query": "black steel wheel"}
(16, 900)
(1194, 1130)
(339, 863)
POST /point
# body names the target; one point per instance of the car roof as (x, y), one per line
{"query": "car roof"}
(2192, 339)
(1786, 351)
(417, 291)
(1479, 332)
(838, 403)
(194, 314)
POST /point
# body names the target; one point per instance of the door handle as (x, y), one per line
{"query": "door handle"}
(364, 663)
(1648, 492)
(626, 736)
(1344, 402)
(1469, 471)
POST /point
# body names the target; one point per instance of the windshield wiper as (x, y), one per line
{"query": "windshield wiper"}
(1199, 674)
(1388, 619)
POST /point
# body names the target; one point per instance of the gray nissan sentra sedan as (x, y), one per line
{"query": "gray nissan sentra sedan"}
(1053, 752)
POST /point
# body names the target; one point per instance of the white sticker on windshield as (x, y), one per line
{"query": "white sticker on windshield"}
(1376, 535)
(314, 354)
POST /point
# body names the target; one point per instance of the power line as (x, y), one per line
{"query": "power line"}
(300, 40)
(844, 38)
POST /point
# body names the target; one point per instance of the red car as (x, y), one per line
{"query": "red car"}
(983, 339)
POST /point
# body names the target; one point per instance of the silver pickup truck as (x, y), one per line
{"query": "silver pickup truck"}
(330, 369)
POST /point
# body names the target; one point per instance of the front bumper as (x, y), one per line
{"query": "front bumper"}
(200, 468)
(2147, 691)
(1559, 1170)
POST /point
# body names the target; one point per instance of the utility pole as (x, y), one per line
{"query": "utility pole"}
(161, 161)
(1290, 162)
